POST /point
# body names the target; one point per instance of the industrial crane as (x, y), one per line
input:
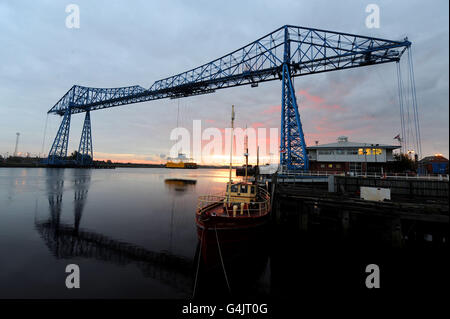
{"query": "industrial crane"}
(283, 54)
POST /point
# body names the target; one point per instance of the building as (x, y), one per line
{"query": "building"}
(345, 156)
(436, 164)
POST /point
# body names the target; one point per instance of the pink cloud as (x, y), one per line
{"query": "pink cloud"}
(327, 130)
(257, 124)
(272, 109)
(312, 98)
(317, 102)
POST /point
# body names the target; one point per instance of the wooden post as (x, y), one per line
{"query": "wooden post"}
(397, 235)
(345, 222)
(303, 217)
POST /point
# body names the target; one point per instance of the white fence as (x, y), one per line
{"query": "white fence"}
(303, 174)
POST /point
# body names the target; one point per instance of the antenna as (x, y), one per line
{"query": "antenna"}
(257, 156)
(17, 144)
(246, 154)
(231, 153)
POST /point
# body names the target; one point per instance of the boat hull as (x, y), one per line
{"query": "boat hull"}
(230, 223)
(181, 165)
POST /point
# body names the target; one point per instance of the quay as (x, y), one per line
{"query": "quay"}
(416, 213)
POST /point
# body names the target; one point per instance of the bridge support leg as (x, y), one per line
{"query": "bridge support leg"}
(292, 142)
(58, 151)
(85, 150)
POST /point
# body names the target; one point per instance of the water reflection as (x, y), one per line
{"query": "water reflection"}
(177, 186)
(69, 241)
(231, 263)
(55, 190)
(81, 185)
(244, 255)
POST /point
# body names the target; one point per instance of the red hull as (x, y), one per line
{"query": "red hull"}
(215, 218)
(230, 223)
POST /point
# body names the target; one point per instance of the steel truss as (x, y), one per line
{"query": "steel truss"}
(85, 150)
(285, 53)
(58, 151)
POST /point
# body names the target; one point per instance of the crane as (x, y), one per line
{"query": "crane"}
(283, 54)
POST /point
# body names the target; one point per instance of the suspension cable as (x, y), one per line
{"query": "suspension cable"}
(402, 115)
(414, 103)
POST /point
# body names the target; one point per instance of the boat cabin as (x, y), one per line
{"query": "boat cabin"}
(242, 192)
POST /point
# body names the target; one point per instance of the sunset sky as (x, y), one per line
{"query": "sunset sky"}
(122, 43)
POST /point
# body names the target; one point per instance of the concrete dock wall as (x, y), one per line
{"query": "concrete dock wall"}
(413, 188)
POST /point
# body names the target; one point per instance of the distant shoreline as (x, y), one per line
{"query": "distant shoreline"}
(105, 166)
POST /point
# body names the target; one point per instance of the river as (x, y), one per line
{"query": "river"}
(132, 233)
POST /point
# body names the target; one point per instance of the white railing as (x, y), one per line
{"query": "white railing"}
(258, 208)
(294, 174)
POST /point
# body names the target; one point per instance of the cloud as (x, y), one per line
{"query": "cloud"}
(316, 102)
(272, 109)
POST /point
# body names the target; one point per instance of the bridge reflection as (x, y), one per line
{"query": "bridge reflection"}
(68, 241)
(245, 258)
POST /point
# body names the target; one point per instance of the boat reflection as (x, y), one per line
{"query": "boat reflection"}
(231, 263)
(178, 186)
(244, 254)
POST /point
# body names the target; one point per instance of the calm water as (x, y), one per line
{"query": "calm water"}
(132, 234)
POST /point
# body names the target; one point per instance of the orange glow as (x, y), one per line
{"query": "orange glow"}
(126, 158)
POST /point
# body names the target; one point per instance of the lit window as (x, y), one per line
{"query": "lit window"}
(330, 165)
(370, 151)
(376, 151)
(366, 150)
(322, 165)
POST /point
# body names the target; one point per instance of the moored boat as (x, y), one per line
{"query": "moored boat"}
(243, 205)
(181, 162)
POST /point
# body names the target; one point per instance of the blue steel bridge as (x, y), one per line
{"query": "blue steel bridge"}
(283, 54)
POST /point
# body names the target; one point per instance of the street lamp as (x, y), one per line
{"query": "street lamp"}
(365, 159)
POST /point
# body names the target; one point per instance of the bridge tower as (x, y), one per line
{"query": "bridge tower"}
(85, 154)
(58, 152)
(292, 141)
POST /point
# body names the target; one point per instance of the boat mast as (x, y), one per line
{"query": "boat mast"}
(257, 156)
(231, 153)
(246, 154)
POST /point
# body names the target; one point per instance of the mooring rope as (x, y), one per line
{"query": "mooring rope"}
(221, 259)
(198, 263)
